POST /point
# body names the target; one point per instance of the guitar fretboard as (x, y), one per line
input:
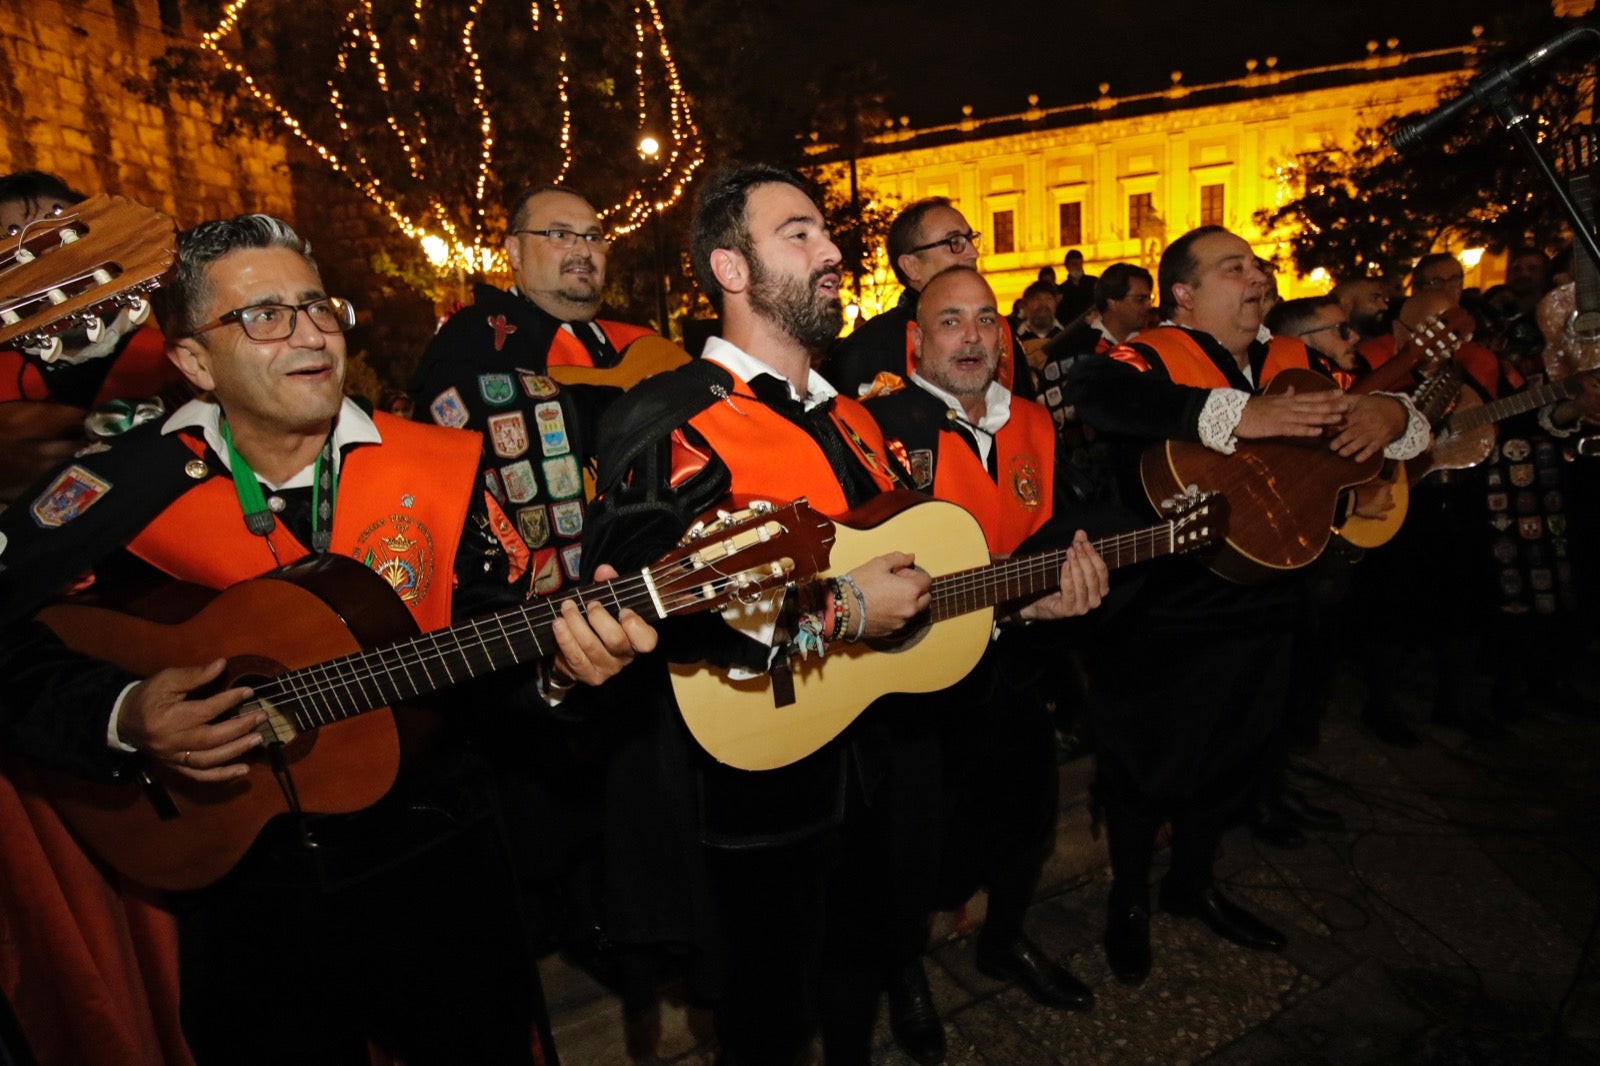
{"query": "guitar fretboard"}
(1526, 400)
(1029, 575)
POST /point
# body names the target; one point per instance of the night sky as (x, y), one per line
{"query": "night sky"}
(936, 55)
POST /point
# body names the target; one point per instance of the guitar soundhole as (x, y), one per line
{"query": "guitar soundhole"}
(905, 640)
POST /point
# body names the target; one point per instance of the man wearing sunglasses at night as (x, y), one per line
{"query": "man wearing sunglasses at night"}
(1321, 324)
(396, 923)
(925, 238)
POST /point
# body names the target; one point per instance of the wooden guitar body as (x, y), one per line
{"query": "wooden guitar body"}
(1282, 493)
(646, 357)
(1369, 533)
(306, 614)
(738, 721)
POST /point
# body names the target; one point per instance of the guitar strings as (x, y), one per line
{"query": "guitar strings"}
(316, 689)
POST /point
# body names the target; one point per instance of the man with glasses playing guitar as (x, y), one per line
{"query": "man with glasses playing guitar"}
(395, 923)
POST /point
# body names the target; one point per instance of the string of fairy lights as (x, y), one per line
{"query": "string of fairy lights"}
(669, 144)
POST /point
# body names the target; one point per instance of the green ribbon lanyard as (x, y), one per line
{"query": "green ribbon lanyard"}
(258, 517)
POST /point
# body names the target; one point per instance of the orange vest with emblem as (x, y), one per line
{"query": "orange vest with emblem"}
(400, 510)
(1188, 364)
(772, 458)
(568, 350)
(1016, 502)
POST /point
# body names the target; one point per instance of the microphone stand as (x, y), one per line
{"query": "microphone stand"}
(1514, 117)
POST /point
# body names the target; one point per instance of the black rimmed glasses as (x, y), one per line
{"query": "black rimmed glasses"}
(275, 322)
(1346, 330)
(956, 242)
(566, 238)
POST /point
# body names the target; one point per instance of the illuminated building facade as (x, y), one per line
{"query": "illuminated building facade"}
(1118, 177)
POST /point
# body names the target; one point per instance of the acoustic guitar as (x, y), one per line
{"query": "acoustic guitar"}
(1282, 492)
(332, 743)
(70, 269)
(740, 723)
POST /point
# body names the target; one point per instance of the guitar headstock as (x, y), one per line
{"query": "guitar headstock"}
(740, 555)
(68, 269)
(1198, 518)
(1438, 336)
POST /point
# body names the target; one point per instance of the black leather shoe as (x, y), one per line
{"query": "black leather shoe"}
(1272, 824)
(1308, 814)
(1128, 944)
(912, 1017)
(1223, 917)
(1044, 979)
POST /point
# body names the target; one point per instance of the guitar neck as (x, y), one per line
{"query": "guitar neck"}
(1029, 575)
(393, 673)
(1585, 274)
(1526, 400)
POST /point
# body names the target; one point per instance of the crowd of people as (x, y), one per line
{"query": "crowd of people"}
(555, 799)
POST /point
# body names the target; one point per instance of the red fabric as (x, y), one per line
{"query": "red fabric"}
(90, 967)
(142, 369)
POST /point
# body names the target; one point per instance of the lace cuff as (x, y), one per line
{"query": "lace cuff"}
(1219, 417)
(1418, 435)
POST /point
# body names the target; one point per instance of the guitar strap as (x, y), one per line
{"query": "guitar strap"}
(69, 523)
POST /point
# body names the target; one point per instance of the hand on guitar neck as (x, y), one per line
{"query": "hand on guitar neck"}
(1085, 583)
(169, 717)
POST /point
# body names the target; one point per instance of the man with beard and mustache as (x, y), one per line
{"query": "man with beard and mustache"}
(808, 865)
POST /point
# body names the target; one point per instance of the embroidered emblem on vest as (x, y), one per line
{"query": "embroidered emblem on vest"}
(920, 463)
(73, 492)
(398, 549)
(537, 386)
(1025, 481)
(534, 525)
(448, 409)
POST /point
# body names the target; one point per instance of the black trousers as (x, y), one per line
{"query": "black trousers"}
(402, 928)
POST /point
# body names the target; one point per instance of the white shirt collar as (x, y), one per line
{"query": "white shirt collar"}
(353, 427)
(997, 400)
(745, 366)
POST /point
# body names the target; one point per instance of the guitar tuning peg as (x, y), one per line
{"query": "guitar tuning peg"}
(94, 328)
(50, 351)
(138, 310)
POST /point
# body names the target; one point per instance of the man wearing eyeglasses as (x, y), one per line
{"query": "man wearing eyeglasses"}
(926, 237)
(399, 923)
(533, 368)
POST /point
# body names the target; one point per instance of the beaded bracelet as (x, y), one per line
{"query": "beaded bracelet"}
(861, 601)
(841, 610)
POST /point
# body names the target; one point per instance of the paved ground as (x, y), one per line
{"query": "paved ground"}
(1451, 922)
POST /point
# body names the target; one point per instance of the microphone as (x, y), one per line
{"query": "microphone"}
(1483, 87)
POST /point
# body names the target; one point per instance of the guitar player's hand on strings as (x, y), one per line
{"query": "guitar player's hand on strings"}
(594, 645)
(1371, 423)
(1085, 582)
(895, 590)
(1291, 414)
(162, 717)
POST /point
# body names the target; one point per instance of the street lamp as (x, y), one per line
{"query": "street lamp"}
(650, 151)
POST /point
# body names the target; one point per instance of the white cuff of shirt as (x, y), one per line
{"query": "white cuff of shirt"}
(1219, 417)
(114, 738)
(1418, 435)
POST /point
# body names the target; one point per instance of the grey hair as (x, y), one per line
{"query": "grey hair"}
(203, 245)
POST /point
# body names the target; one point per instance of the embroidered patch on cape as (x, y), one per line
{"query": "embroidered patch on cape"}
(920, 464)
(534, 525)
(73, 492)
(537, 386)
(508, 434)
(563, 478)
(552, 428)
(521, 485)
(496, 389)
(568, 517)
(448, 409)
(502, 330)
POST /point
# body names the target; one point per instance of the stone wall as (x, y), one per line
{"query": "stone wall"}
(66, 108)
